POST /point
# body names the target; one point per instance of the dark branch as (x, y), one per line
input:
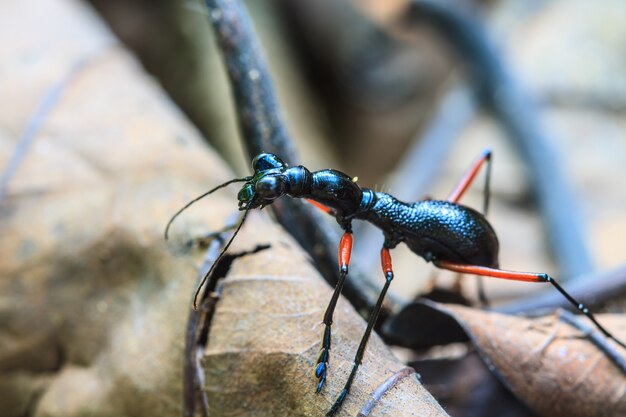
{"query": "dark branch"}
(427, 152)
(263, 130)
(258, 112)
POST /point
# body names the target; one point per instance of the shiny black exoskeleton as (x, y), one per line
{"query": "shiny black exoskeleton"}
(438, 231)
(435, 230)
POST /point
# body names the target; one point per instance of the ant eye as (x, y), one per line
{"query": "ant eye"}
(267, 161)
(270, 187)
(246, 193)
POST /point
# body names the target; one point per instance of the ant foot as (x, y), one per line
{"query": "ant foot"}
(321, 368)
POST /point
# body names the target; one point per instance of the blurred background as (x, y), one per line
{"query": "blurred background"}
(403, 95)
(397, 102)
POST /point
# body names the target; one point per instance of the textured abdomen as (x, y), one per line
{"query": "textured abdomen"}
(437, 230)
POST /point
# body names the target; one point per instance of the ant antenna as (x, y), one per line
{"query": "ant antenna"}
(208, 274)
(167, 228)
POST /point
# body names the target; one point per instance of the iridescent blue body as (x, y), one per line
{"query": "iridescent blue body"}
(434, 230)
(438, 231)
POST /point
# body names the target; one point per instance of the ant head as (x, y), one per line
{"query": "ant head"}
(267, 183)
(264, 162)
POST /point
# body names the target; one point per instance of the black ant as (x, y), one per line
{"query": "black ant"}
(446, 233)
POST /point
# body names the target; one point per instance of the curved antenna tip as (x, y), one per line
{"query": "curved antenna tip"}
(171, 220)
(218, 259)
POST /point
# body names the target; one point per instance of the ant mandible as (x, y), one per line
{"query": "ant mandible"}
(444, 232)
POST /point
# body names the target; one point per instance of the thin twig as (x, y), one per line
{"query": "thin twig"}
(204, 399)
(423, 160)
(189, 378)
(383, 388)
(197, 321)
(48, 102)
(503, 95)
(263, 130)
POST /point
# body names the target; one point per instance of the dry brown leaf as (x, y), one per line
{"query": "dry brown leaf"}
(93, 306)
(265, 338)
(548, 364)
(93, 303)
